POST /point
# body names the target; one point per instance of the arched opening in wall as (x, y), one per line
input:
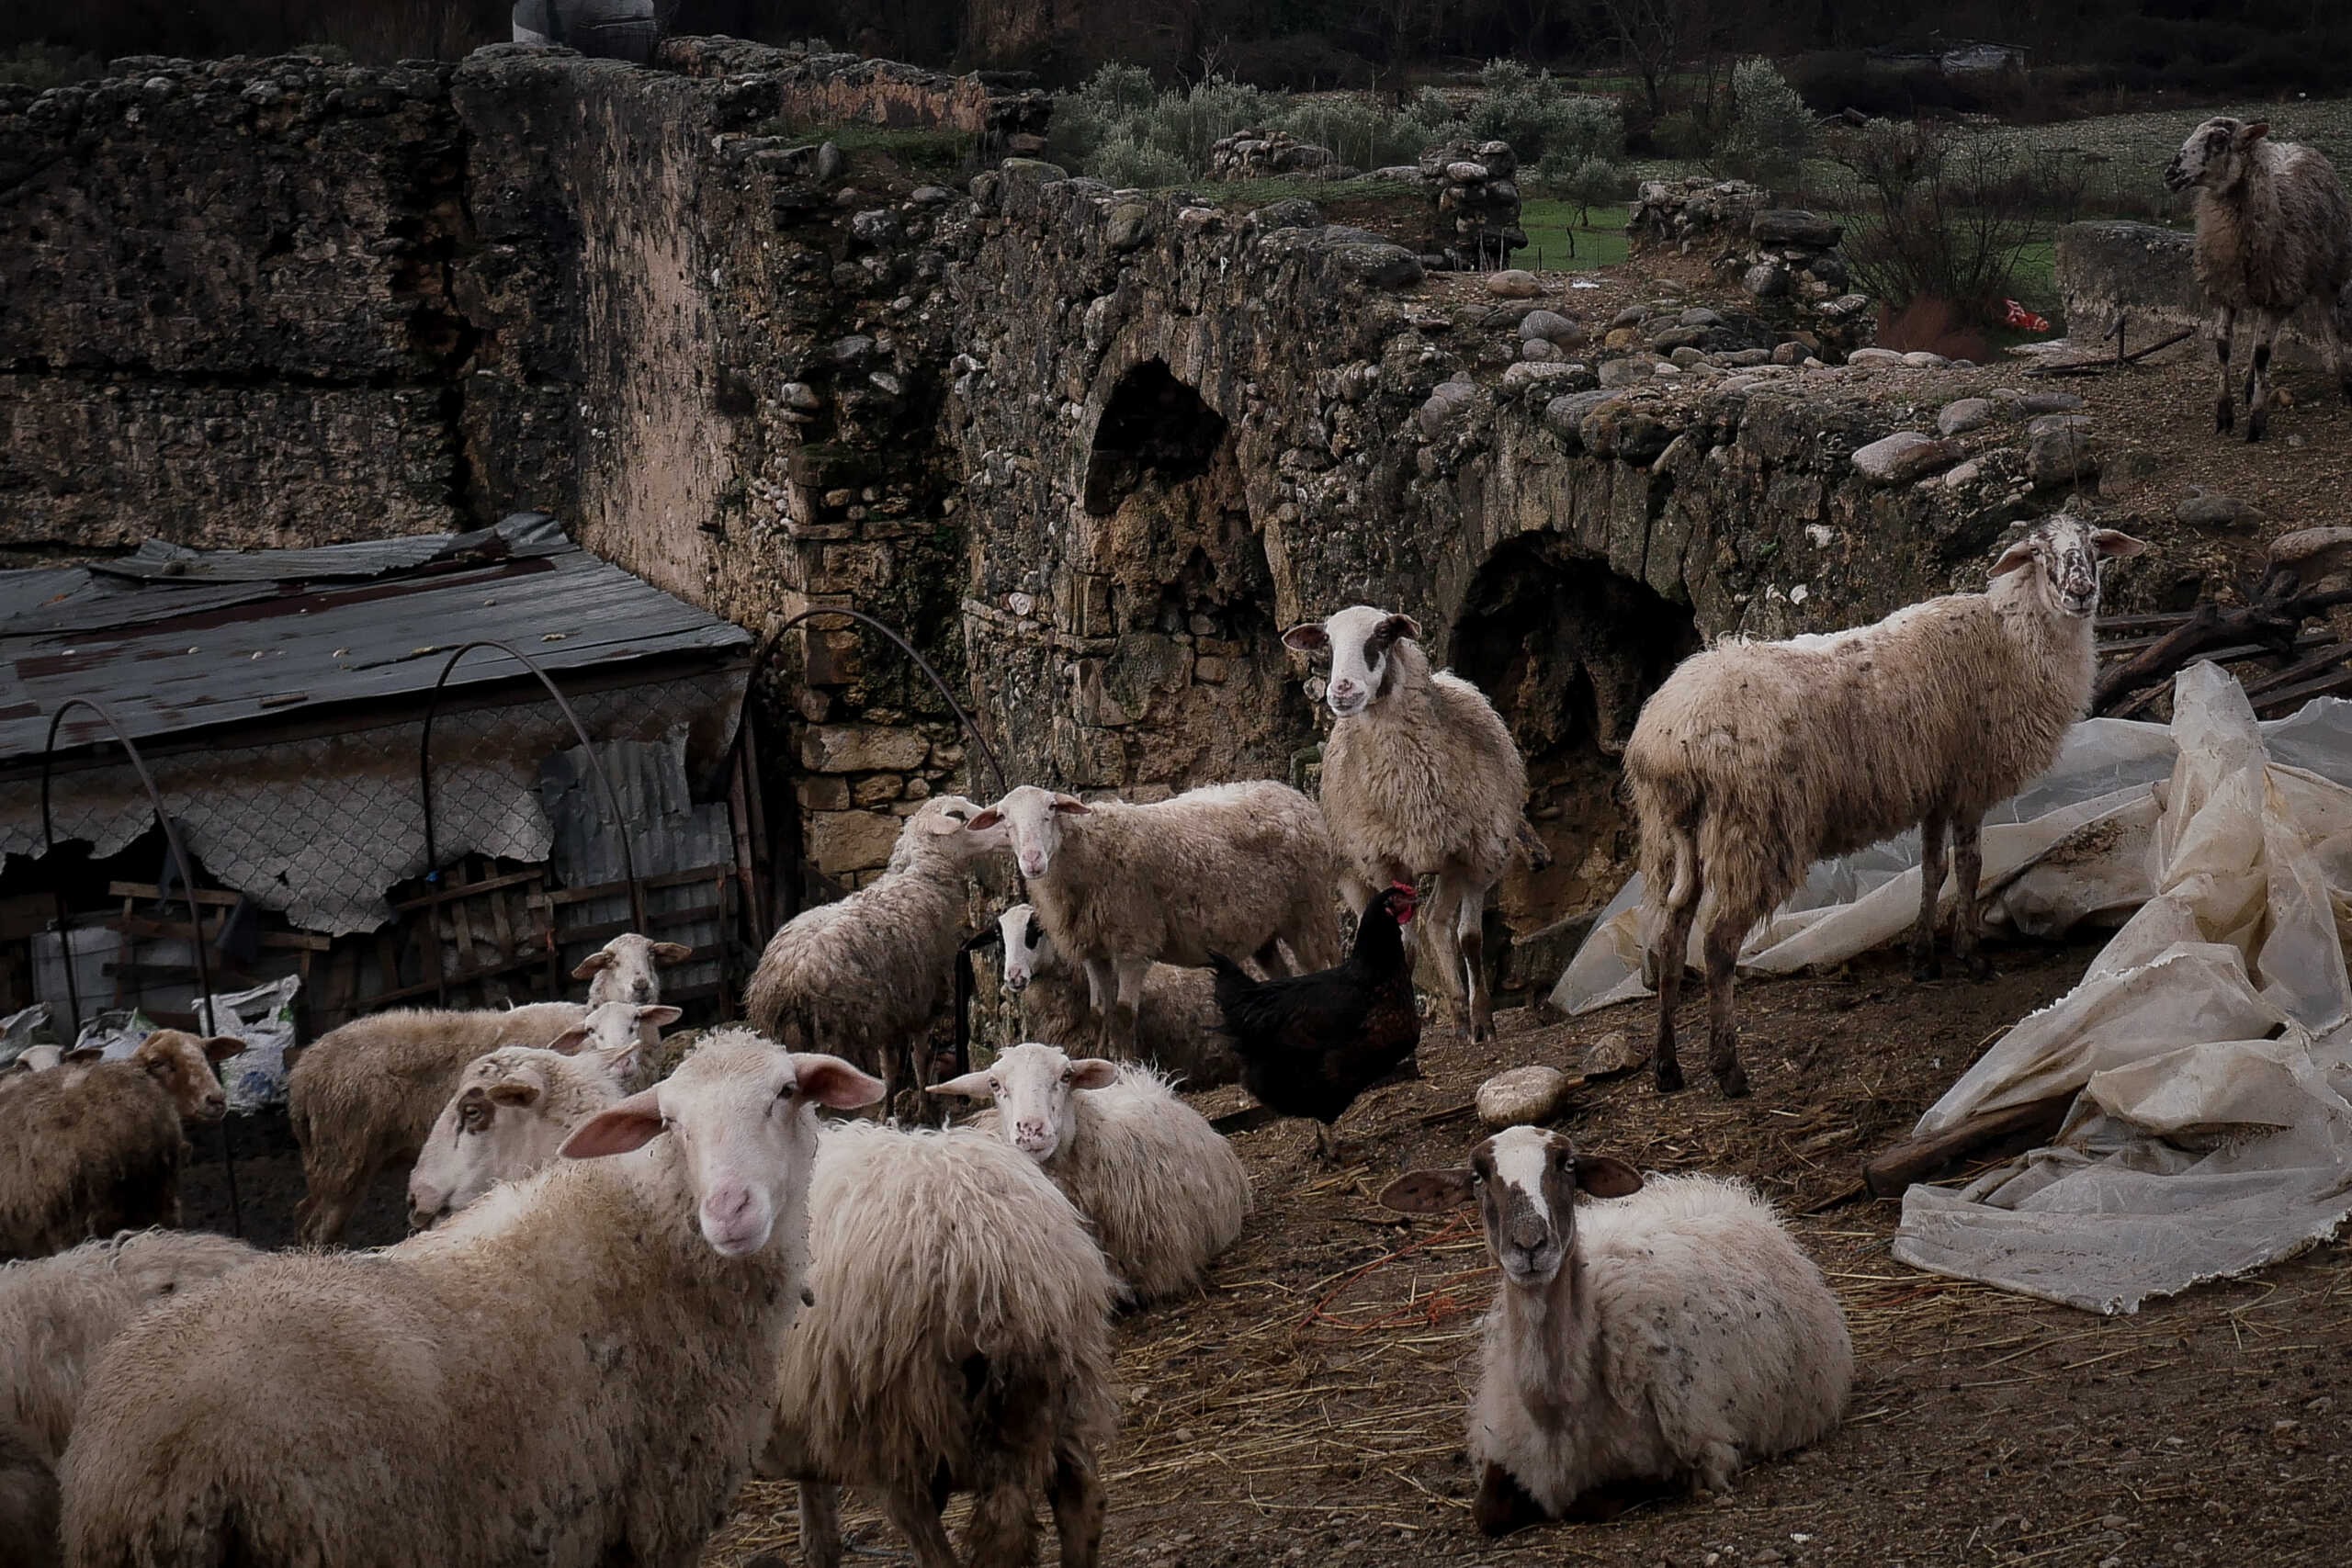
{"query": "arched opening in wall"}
(1154, 427)
(1567, 650)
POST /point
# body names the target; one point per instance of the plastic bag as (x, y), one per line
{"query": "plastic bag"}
(263, 1018)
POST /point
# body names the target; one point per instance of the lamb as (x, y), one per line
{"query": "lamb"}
(1166, 1194)
(875, 1387)
(1420, 775)
(1675, 1335)
(366, 1095)
(511, 1113)
(864, 975)
(623, 970)
(1176, 1028)
(1755, 760)
(56, 1315)
(98, 1149)
(1233, 868)
(577, 1371)
(2273, 229)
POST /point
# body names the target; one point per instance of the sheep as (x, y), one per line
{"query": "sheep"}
(48, 1059)
(875, 1387)
(623, 970)
(366, 1095)
(98, 1149)
(579, 1369)
(864, 975)
(511, 1112)
(1420, 775)
(1756, 758)
(1165, 1193)
(1233, 868)
(56, 1315)
(1177, 1021)
(1677, 1334)
(2273, 229)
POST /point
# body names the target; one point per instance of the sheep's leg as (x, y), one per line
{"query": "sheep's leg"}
(326, 1208)
(2225, 326)
(821, 1525)
(1967, 924)
(1444, 915)
(1101, 985)
(1076, 1495)
(1003, 1531)
(1119, 1033)
(917, 1518)
(1470, 939)
(2339, 326)
(1724, 935)
(2258, 395)
(1503, 1505)
(1924, 963)
(1670, 950)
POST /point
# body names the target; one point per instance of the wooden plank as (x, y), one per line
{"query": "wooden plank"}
(469, 890)
(457, 978)
(1891, 1172)
(149, 890)
(620, 889)
(283, 942)
(655, 920)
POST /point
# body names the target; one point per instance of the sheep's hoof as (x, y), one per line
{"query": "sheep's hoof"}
(1927, 968)
(1503, 1505)
(2224, 417)
(2257, 425)
(1669, 1078)
(1733, 1082)
(1979, 967)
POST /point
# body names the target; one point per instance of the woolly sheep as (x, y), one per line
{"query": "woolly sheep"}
(1420, 775)
(1233, 868)
(1676, 1334)
(864, 975)
(1756, 758)
(1176, 1025)
(2273, 229)
(873, 1389)
(47, 1058)
(366, 1095)
(578, 1370)
(98, 1149)
(1166, 1194)
(625, 969)
(511, 1113)
(56, 1315)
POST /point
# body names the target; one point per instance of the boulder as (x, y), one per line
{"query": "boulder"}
(1563, 416)
(1514, 283)
(1874, 359)
(1615, 1052)
(1766, 280)
(1884, 459)
(2061, 456)
(1450, 399)
(1552, 327)
(1522, 1095)
(2202, 511)
(1792, 227)
(1965, 414)
(1626, 372)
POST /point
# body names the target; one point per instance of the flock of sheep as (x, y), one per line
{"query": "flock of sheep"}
(625, 1296)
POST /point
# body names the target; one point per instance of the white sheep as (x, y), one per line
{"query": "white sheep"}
(579, 1369)
(864, 975)
(1235, 868)
(366, 1095)
(93, 1150)
(2274, 229)
(1165, 1192)
(48, 1059)
(1420, 777)
(56, 1315)
(625, 969)
(1756, 758)
(509, 1116)
(1675, 1335)
(1176, 1024)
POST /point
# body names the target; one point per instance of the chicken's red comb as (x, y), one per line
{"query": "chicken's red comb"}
(1403, 887)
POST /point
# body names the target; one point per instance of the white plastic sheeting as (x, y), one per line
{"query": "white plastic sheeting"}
(2209, 1045)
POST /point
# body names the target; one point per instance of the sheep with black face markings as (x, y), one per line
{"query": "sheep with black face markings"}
(1176, 1023)
(511, 1113)
(1675, 1335)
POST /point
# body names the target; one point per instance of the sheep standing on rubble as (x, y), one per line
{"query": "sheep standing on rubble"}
(1757, 759)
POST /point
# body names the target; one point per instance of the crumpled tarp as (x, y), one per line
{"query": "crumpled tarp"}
(2209, 1046)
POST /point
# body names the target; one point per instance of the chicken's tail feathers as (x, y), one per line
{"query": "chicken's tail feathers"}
(1228, 973)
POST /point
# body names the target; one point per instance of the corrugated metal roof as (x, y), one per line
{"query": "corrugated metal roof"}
(176, 640)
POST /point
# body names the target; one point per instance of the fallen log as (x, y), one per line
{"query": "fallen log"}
(2019, 1127)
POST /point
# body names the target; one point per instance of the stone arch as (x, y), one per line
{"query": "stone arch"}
(1568, 651)
(1154, 427)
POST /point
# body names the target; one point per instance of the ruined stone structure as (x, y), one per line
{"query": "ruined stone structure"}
(1092, 449)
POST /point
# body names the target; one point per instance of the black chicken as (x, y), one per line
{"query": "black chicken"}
(1310, 1044)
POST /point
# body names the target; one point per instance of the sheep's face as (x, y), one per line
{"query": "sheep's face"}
(2215, 156)
(495, 1128)
(614, 1035)
(2064, 555)
(1024, 946)
(156, 1264)
(951, 820)
(1359, 640)
(1030, 820)
(623, 969)
(742, 1114)
(1525, 1180)
(182, 1064)
(1032, 1085)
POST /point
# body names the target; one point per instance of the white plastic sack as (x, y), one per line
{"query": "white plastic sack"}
(263, 1018)
(115, 1033)
(23, 1028)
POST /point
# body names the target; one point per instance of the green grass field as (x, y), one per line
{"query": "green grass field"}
(1555, 242)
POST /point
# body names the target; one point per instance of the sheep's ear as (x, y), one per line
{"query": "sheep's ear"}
(672, 953)
(1397, 627)
(831, 1081)
(1605, 1178)
(2016, 557)
(987, 819)
(660, 1017)
(221, 1047)
(98, 1053)
(1093, 1073)
(570, 1039)
(971, 1086)
(1427, 1191)
(631, 1124)
(1071, 805)
(2111, 542)
(514, 1091)
(2250, 134)
(1307, 637)
(593, 964)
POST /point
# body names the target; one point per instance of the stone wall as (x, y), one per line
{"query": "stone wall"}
(2142, 277)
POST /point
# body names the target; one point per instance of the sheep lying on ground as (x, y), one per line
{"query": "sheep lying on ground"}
(56, 1315)
(578, 1370)
(623, 970)
(863, 975)
(89, 1151)
(1675, 1335)
(1755, 760)
(511, 1113)
(1420, 776)
(365, 1096)
(1176, 1026)
(992, 1372)
(1166, 1194)
(47, 1058)
(2274, 229)
(1234, 868)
